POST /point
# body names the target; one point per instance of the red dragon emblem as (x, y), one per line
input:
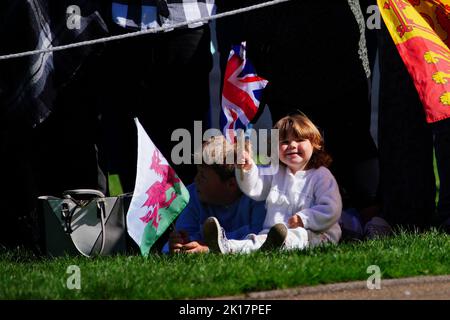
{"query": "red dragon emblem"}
(157, 191)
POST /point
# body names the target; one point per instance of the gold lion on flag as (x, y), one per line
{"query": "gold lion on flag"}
(421, 31)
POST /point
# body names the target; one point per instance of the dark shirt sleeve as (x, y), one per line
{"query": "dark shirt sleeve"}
(190, 219)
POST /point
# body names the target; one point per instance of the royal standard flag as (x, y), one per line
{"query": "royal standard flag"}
(159, 195)
(421, 32)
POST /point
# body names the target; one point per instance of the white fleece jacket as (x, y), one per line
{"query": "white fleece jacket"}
(312, 194)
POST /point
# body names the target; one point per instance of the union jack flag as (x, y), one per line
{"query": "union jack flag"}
(241, 94)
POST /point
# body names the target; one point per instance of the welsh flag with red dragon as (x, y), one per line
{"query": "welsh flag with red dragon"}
(159, 195)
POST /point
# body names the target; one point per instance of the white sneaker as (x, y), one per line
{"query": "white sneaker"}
(214, 236)
(377, 228)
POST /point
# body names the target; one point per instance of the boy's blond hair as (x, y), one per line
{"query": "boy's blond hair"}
(219, 155)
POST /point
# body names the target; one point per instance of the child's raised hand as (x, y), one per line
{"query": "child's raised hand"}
(295, 222)
(243, 149)
(245, 162)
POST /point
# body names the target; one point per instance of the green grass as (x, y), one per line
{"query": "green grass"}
(115, 187)
(23, 276)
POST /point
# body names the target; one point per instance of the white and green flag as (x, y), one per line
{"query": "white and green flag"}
(159, 195)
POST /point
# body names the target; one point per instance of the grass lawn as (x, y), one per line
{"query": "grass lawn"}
(23, 276)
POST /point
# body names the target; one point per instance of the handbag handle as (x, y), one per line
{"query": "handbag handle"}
(82, 192)
(67, 214)
(101, 205)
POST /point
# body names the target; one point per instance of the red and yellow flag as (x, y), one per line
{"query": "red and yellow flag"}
(421, 32)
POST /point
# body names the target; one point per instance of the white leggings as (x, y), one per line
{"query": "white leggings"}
(298, 238)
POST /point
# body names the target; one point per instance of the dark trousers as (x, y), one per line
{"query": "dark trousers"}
(163, 80)
(405, 144)
(18, 189)
(441, 132)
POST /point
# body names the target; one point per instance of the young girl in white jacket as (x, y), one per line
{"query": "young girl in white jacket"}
(302, 198)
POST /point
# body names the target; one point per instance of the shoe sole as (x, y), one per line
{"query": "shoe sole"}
(211, 235)
(275, 238)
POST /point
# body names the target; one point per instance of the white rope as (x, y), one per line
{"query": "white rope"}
(363, 54)
(142, 32)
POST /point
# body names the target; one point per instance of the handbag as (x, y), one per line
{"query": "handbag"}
(82, 221)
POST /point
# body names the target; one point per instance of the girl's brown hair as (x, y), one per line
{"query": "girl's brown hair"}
(300, 127)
